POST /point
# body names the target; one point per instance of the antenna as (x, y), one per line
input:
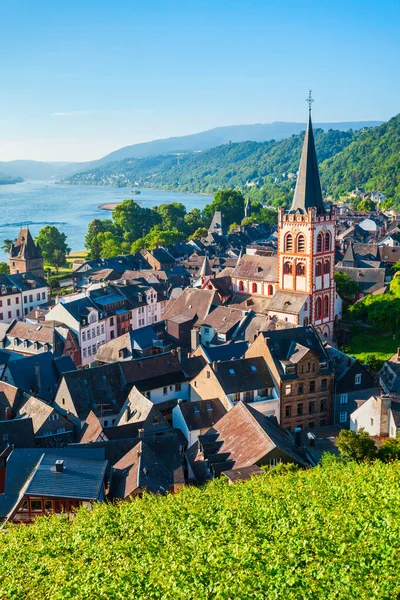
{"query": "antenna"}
(309, 100)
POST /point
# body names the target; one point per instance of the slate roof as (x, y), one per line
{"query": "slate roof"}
(225, 352)
(202, 414)
(17, 433)
(223, 319)
(242, 375)
(150, 367)
(308, 187)
(259, 268)
(369, 279)
(192, 304)
(24, 246)
(92, 429)
(10, 398)
(39, 412)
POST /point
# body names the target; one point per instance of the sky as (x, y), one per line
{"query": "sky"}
(81, 78)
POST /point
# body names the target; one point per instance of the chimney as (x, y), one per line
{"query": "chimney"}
(37, 376)
(127, 413)
(194, 339)
(59, 466)
(179, 353)
(141, 433)
(297, 436)
(8, 413)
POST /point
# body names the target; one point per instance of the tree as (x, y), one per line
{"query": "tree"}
(6, 245)
(366, 205)
(53, 244)
(356, 446)
(345, 286)
(230, 203)
(201, 232)
(193, 221)
(109, 244)
(172, 215)
(389, 450)
(232, 227)
(132, 221)
(250, 220)
(4, 268)
(162, 237)
(91, 241)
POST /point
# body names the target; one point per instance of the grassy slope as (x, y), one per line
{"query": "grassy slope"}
(330, 532)
(365, 341)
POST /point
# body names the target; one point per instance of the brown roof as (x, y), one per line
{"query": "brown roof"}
(263, 268)
(202, 414)
(127, 471)
(150, 367)
(35, 332)
(223, 318)
(92, 429)
(9, 397)
(192, 303)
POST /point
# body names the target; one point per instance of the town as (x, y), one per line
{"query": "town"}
(213, 358)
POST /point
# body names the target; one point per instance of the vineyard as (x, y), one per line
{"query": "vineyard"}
(330, 532)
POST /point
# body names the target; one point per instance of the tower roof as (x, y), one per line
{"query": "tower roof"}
(25, 247)
(206, 267)
(308, 187)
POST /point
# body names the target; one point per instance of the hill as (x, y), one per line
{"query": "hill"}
(329, 532)
(371, 162)
(37, 170)
(8, 180)
(231, 165)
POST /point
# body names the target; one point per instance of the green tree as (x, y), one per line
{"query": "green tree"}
(356, 446)
(91, 241)
(193, 221)
(389, 450)
(6, 246)
(345, 286)
(53, 244)
(162, 237)
(109, 244)
(172, 215)
(4, 268)
(367, 205)
(201, 232)
(230, 203)
(250, 220)
(232, 227)
(132, 221)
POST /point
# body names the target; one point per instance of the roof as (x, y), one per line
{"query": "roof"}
(38, 411)
(161, 255)
(243, 474)
(202, 414)
(242, 375)
(191, 304)
(42, 332)
(150, 367)
(225, 352)
(308, 187)
(287, 302)
(223, 319)
(369, 279)
(92, 429)
(18, 432)
(25, 247)
(262, 268)
(206, 267)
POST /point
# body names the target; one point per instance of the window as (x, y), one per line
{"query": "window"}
(84, 353)
(48, 505)
(318, 269)
(105, 423)
(25, 299)
(88, 334)
(36, 505)
(305, 321)
(83, 336)
(94, 349)
(274, 461)
(102, 328)
(17, 312)
(1, 302)
(111, 321)
(177, 387)
(319, 242)
(9, 314)
(93, 332)
(326, 306)
(5, 437)
(327, 266)
(17, 300)
(30, 297)
(318, 308)
(300, 389)
(249, 396)
(270, 290)
(288, 389)
(237, 397)
(254, 288)
(98, 330)
(324, 385)
(253, 368)
(289, 243)
(300, 409)
(89, 351)
(343, 417)
(208, 374)
(327, 241)
(231, 371)
(372, 422)
(300, 269)
(312, 387)
(311, 407)
(8, 301)
(165, 391)
(287, 268)
(155, 420)
(288, 411)
(301, 243)
(343, 398)
(323, 404)
(38, 296)
(357, 379)
(63, 401)
(61, 430)
(43, 295)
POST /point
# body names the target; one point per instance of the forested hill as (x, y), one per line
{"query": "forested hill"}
(227, 166)
(371, 162)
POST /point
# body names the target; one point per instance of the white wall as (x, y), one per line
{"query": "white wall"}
(157, 395)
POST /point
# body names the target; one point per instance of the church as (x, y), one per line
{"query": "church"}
(297, 284)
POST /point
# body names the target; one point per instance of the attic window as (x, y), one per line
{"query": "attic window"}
(253, 368)
(209, 407)
(196, 409)
(232, 371)
(309, 342)
(85, 382)
(190, 306)
(38, 328)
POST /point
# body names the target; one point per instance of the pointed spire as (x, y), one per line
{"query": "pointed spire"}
(206, 267)
(308, 187)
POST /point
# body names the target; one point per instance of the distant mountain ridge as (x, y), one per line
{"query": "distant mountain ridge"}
(29, 169)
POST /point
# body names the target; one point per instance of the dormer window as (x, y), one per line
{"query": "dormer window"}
(232, 371)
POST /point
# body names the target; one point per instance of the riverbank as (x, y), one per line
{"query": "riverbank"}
(111, 205)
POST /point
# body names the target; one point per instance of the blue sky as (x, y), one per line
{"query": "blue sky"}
(82, 78)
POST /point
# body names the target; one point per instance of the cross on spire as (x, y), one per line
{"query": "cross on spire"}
(309, 100)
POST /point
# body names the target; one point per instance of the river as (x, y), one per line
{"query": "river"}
(71, 207)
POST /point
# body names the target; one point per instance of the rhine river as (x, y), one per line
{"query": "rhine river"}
(71, 207)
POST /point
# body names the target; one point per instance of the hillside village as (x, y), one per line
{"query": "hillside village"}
(204, 359)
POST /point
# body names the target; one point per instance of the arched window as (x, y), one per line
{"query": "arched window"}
(287, 268)
(254, 288)
(327, 241)
(300, 269)
(305, 321)
(327, 266)
(241, 286)
(326, 306)
(318, 307)
(301, 243)
(318, 269)
(270, 290)
(319, 242)
(289, 243)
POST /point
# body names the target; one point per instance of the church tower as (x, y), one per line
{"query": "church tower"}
(306, 244)
(25, 255)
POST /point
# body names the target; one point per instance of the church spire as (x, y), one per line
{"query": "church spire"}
(308, 187)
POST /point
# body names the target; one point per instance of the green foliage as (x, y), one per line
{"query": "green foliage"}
(8, 180)
(162, 237)
(389, 450)
(172, 215)
(331, 532)
(230, 203)
(371, 162)
(131, 221)
(6, 246)
(198, 234)
(345, 286)
(92, 242)
(232, 227)
(373, 362)
(4, 268)
(53, 244)
(367, 342)
(356, 446)
(366, 205)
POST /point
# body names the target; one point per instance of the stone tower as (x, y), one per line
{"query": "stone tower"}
(25, 255)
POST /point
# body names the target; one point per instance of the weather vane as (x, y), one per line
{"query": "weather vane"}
(309, 100)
